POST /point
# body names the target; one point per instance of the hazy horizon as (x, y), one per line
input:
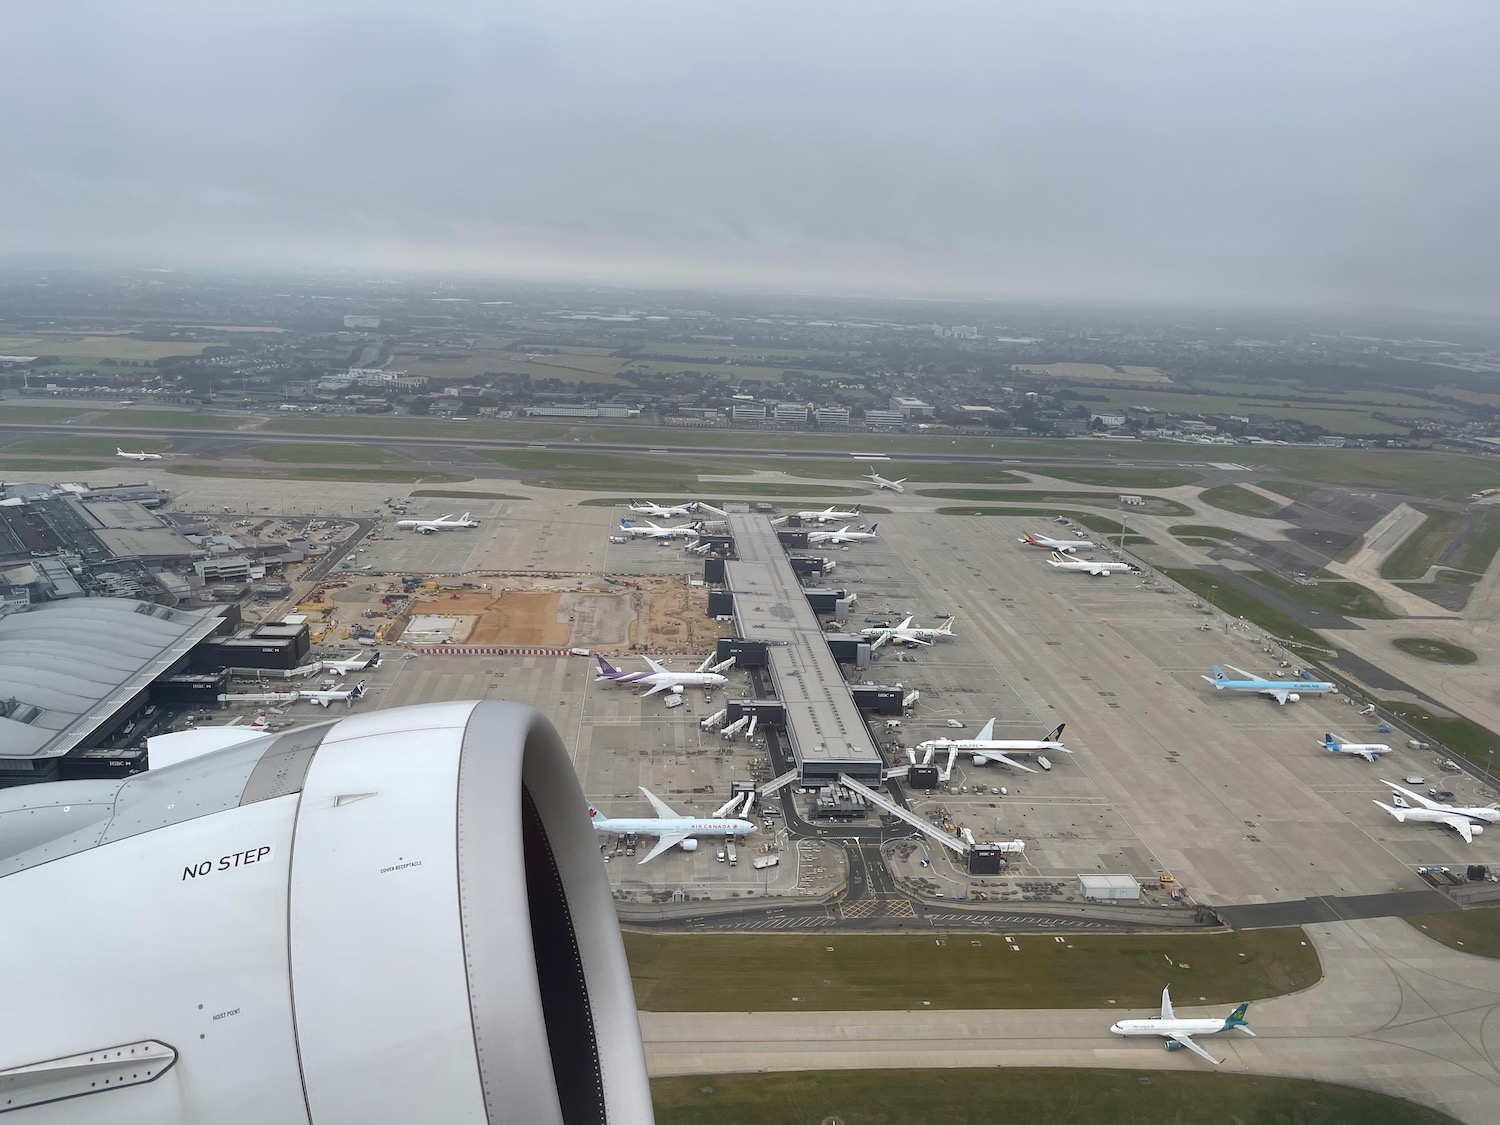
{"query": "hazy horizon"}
(1153, 154)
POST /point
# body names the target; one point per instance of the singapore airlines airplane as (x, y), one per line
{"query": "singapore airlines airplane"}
(664, 512)
(1467, 821)
(842, 535)
(908, 634)
(660, 678)
(1098, 569)
(829, 514)
(137, 456)
(1048, 543)
(1179, 1033)
(670, 827)
(442, 523)
(1370, 751)
(986, 748)
(880, 482)
(1283, 691)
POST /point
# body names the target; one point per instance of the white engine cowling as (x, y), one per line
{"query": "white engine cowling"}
(1294, 698)
(689, 845)
(1477, 829)
(675, 689)
(1105, 573)
(981, 760)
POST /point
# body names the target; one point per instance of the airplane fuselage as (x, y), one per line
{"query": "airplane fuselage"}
(1161, 1027)
(667, 826)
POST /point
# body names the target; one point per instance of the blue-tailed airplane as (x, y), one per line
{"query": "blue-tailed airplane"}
(1370, 751)
(670, 827)
(1283, 691)
(1179, 1033)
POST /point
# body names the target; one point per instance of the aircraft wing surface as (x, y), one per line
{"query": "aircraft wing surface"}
(664, 844)
(656, 666)
(661, 807)
(1187, 1041)
(1464, 826)
(987, 733)
(1278, 694)
(1166, 1004)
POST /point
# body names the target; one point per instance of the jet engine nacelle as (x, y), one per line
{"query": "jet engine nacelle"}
(689, 845)
(1477, 829)
(675, 689)
(981, 760)
(1105, 573)
(1172, 1045)
(1293, 697)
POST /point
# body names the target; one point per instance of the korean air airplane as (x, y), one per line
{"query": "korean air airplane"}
(1283, 691)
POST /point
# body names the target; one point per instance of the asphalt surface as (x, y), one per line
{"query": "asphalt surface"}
(1334, 908)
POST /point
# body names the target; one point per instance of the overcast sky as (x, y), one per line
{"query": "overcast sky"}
(1124, 150)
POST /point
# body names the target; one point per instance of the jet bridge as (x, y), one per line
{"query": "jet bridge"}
(927, 828)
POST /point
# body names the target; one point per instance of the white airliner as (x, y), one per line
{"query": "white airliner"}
(442, 523)
(1467, 821)
(660, 678)
(670, 827)
(137, 456)
(653, 531)
(1098, 568)
(1179, 1033)
(660, 511)
(1283, 691)
(1370, 751)
(1048, 543)
(986, 748)
(353, 664)
(830, 514)
(324, 698)
(908, 634)
(880, 482)
(842, 535)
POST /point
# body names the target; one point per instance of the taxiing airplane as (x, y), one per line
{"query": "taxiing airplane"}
(1179, 1033)
(880, 482)
(842, 535)
(1098, 568)
(660, 678)
(652, 531)
(137, 456)
(908, 634)
(353, 664)
(1283, 691)
(442, 523)
(324, 698)
(830, 514)
(1468, 821)
(1048, 543)
(1370, 751)
(986, 748)
(670, 827)
(661, 511)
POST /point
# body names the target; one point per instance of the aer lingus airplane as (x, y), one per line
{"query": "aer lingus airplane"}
(1099, 569)
(670, 827)
(1283, 691)
(1179, 1033)
(986, 748)
(1370, 751)
(1047, 542)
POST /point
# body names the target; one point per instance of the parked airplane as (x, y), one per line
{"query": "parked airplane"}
(137, 456)
(442, 523)
(986, 748)
(830, 514)
(660, 678)
(1098, 568)
(662, 511)
(1370, 751)
(1467, 820)
(353, 664)
(908, 634)
(652, 531)
(670, 828)
(1283, 691)
(1179, 1033)
(324, 698)
(1047, 542)
(842, 535)
(880, 482)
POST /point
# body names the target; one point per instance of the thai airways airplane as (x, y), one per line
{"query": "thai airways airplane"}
(353, 664)
(908, 634)
(660, 511)
(670, 828)
(1048, 543)
(442, 523)
(842, 535)
(880, 482)
(1179, 1033)
(324, 698)
(986, 748)
(1283, 691)
(652, 531)
(1370, 751)
(1467, 821)
(660, 678)
(137, 456)
(830, 514)
(1099, 569)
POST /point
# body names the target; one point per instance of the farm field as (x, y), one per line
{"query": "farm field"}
(1347, 598)
(81, 445)
(1096, 372)
(37, 415)
(69, 346)
(1424, 546)
(319, 453)
(1233, 498)
(585, 365)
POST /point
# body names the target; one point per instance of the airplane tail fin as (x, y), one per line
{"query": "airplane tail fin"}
(359, 690)
(464, 518)
(873, 526)
(374, 661)
(1056, 735)
(1399, 812)
(594, 813)
(1219, 673)
(625, 523)
(1236, 1018)
(606, 669)
(1329, 742)
(856, 509)
(1399, 801)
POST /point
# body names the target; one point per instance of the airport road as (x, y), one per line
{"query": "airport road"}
(1394, 1012)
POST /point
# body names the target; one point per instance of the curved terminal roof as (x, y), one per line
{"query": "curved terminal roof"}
(67, 667)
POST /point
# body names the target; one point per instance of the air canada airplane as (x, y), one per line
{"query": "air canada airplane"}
(442, 523)
(892, 485)
(353, 664)
(1048, 543)
(986, 748)
(1370, 751)
(137, 456)
(829, 514)
(670, 828)
(660, 678)
(1283, 691)
(258, 893)
(1099, 568)
(1179, 1033)
(842, 535)
(660, 511)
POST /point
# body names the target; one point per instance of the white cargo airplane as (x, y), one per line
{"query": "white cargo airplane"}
(1468, 822)
(986, 748)
(1179, 1033)
(1048, 543)
(660, 678)
(1283, 691)
(1370, 751)
(908, 634)
(670, 827)
(353, 664)
(661, 511)
(137, 456)
(830, 514)
(880, 482)
(1098, 568)
(442, 523)
(653, 531)
(324, 698)
(842, 535)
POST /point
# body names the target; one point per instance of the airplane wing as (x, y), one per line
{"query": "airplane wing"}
(1278, 694)
(1242, 672)
(1425, 802)
(880, 640)
(1464, 826)
(907, 623)
(1370, 755)
(1187, 1041)
(653, 690)
(656, 666)
(918, 641)
(1166, 1004)
(661, 807)
(665, 843)
(998, 756)
(987, 733)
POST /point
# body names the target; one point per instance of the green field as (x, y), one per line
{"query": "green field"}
(45, 465)
(1155, 505)
(84, 348)
(1476, 550)
(1422, 548)
(331, 472)
(37, 415)
(1233, 498)
(81, 446)
(1203, 531)
(598, 365)
(1119, 478)
(1467, 739)
(647, 474)
(1347, 598)
(1439, 652)
(368, 425)
(872, 972)
(783, 503)
(1024, 1096)
(319, 453)
(1239, 604)
(1102, 524)
(1291, 489)
(1475, 931)
(459, 495)
(166, 419)
(1444, 476)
